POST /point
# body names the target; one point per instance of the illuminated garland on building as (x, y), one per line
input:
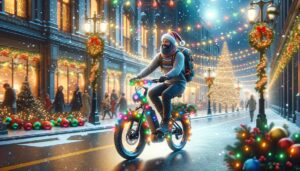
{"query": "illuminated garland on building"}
(237, 57)
(289, 50)
(14, 53)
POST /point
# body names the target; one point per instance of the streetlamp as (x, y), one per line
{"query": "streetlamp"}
(209, 76)
(261, 39)
(95, 48)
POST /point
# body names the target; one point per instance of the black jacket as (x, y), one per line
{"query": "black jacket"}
(10, 99)
(59, 101)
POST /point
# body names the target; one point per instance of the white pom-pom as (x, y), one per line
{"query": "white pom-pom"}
(182, 43)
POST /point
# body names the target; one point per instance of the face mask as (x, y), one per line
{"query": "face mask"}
(166, 49)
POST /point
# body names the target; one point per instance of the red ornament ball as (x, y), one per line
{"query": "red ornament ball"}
(47, 125)
(285, 143)
(294, 152)
(27, 126)
(80, 122)
(64, 123)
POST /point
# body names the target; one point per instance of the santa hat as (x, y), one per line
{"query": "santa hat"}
(173, 37)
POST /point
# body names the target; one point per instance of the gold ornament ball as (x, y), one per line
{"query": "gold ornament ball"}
(277, 133)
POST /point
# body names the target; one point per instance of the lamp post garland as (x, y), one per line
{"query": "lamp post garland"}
(95, 48)
(261, 37)
(209, 79)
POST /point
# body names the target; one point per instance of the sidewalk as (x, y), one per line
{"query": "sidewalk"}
(104, 124)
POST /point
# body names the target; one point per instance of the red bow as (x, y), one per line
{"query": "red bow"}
(94, 40)
(261, 29)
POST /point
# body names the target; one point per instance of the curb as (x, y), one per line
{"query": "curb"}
(42, 134)
(104, 127)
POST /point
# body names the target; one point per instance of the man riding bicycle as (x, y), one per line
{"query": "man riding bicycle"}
(171, 61)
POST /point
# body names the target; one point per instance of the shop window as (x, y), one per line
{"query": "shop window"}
(64, 15)
(126, 33)
(69, 74)
(94, 7)
(113, 82)
(13, 66)
(20, 8)
(144, 41)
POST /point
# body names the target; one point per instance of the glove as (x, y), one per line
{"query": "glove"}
(163, 79)
(133, 79)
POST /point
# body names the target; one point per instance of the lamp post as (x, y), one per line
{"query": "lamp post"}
(209, 76)
(261, 121)
(96, 52)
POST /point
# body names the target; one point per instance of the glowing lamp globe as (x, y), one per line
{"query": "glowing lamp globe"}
(252, 14)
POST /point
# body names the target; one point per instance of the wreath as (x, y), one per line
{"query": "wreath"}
(261, 36)
(95, 46)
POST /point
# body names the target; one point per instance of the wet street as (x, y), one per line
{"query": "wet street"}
(95, 150)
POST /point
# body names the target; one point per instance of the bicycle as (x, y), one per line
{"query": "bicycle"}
(138, 127)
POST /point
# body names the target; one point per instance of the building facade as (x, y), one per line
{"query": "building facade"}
(283, 91)
(45, 40)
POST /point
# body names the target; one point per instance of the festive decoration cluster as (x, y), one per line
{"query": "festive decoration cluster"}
(268, 149)
(261, 36)
(289, 50)
(95, 46)
(32, 114)
(223, 91)
(16, 122)
(13, 53)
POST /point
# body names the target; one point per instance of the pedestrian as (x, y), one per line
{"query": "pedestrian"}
(86, 104)
(76, 102)
(122, 103)
(106, 106)
(113, 102)
(10, 99)
(252, 106)
(59, 101)
(47, 103)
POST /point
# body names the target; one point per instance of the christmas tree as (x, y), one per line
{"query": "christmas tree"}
(223, 91)
(28, 106)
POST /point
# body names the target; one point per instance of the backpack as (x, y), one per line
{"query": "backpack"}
(188, 70)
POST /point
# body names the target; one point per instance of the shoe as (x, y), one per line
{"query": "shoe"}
(163, 128)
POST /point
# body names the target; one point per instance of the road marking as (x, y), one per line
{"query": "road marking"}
(54, 158)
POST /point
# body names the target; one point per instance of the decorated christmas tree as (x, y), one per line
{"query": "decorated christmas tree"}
(28, 106)
(223, 91)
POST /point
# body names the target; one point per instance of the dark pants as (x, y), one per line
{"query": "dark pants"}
(167, 92)
(251, 115)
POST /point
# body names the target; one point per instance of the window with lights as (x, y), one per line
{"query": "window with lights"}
(64, 15)
(20, 8)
